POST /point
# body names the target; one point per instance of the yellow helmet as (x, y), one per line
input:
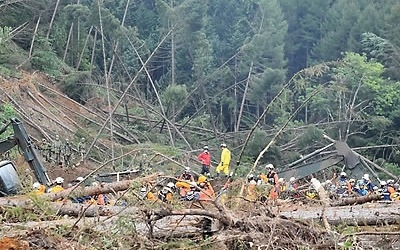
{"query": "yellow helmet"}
(201, 179)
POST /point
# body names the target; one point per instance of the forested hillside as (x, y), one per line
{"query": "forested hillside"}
(222, 68)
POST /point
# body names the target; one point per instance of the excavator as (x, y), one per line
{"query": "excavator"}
(10, 182)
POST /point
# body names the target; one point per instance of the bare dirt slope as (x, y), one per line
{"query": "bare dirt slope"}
(46, 112)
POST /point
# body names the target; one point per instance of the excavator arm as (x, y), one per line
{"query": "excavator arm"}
(21, 139)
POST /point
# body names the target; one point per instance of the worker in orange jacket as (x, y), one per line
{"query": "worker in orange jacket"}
(273, 179)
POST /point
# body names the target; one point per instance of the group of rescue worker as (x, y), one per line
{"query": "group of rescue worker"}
(345, 187)
(223, 165)
(340, 186)
(58, 186)
(61, 153)
(186, 188)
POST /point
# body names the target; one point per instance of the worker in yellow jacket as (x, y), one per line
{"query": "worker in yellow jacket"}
(225, 160)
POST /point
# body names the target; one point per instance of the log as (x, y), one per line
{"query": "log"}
(324, 198)
(366, 214)
(357, 200)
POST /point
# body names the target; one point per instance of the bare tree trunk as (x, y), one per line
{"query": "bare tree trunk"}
(84, 47)
(93, 51)
(106, 76)
(33, 38)
(244, 98)
(52, 19)
(68, 41)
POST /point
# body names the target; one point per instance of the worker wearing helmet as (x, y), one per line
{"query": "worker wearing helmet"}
(369, 186)
(251, 188)
(165, 194)
(183, 184)
(292, 186)
(58, 187)
(342, 186)
(205, 160)
(225, 161)
(272, 179)
(38, 189)
(206, 190)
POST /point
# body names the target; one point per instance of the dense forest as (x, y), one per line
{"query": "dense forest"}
(223, 68)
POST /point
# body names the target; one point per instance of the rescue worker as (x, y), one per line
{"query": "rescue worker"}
(82, 148)
(391, 189)
(147, 195)
(225, 161)
(38, 189)
(369, 186)
(292, 184)
(272, 179)
(206, 190)
(186, 175)
(184, 181)
(385, 191)
(205, 160)
(282, 184)
(343, 187)
(45, 149)
(251, 188)
(352, 183)
(396, 194)
(66, 153)
(166, 193)
(56, 150)
(100, 199)
(58, 185)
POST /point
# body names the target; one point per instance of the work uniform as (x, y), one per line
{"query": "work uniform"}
(225, 161)
(205, 159)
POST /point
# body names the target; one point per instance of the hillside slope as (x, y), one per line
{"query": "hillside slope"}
(46, 112)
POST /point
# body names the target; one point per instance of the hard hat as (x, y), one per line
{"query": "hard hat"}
(343, 174)
(201, 179)
(270, 166)
(382, 183)
(59, 180)
(82, 139)
(143, 189)
(36, 185)
(292, 179)
(95, 183)
(187, 169)
(251, 176)
(352, 180)
(281, 180)
(170, 184)
(223, 145)
(80, 178)
(375, 188)
(366, 177)
(390, 181)
(205, 147)
(44, 139)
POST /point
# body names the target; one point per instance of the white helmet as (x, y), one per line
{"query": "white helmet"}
(390, 181)
(187, 169)
(366, 177)
(143, 189)
(170, 185)
(382, 183)
(223, 145)
(95, 183)
(59, 180)
(343, 174)
(80, 178)
(281, 180)
(205, 148)
(36, 185)
(270, 166)
(292, 179)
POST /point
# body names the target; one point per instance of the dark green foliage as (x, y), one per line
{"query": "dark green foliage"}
(77, 85)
